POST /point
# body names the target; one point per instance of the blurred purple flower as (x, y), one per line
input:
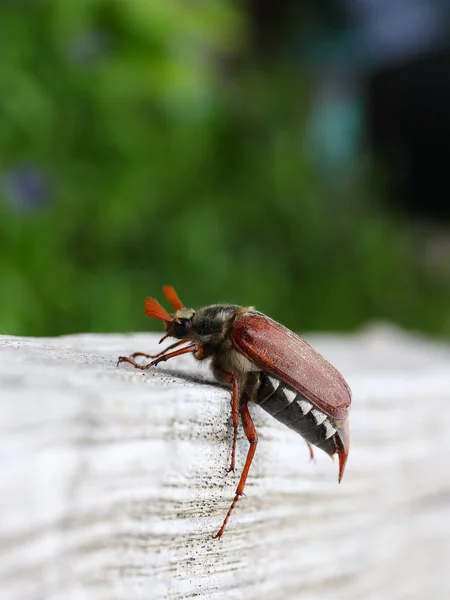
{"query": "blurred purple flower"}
(88, 48)
(25, 187)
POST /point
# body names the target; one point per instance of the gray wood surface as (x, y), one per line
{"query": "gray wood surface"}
(112, 482)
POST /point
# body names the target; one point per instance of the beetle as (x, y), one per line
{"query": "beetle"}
(265, 363)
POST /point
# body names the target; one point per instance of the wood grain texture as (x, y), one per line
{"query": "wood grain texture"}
(113, 481)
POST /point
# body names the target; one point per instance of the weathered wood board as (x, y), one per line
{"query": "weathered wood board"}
(112, 481)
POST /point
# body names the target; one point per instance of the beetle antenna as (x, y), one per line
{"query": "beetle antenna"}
(172, 297)
(154, 310)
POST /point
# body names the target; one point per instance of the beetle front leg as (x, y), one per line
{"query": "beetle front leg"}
(174, 345)
(192, 348)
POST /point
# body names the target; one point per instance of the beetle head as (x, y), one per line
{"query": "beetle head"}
(178, 324)
(206, 326)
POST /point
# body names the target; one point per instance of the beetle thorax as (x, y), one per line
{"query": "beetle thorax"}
(207, 326)
(210, 325)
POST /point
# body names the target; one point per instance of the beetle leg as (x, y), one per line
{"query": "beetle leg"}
(311, 451)
(234, 414)
(178, 343)
(162, 358)
(231, 378)
(252, 437)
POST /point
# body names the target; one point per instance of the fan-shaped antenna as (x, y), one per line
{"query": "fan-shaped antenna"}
(154, 310)
(172, 297)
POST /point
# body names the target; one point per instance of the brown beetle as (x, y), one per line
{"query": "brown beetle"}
(266, 363)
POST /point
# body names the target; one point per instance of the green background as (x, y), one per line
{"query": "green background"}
(143, 143)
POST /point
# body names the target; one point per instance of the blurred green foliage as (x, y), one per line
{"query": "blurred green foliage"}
(134, 152)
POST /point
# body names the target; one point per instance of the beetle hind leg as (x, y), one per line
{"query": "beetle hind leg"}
(311, 452)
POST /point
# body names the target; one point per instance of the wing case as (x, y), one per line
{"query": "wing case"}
(283, 354)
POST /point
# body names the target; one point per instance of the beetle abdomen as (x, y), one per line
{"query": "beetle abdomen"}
(295, 411)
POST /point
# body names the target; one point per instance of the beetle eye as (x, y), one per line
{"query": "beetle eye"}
(180, 327)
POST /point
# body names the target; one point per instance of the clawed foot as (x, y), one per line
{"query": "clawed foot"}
(231, 467)
(127, 359)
